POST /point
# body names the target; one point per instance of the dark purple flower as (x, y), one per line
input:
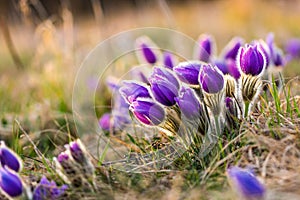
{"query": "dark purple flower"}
(148, 111)
(63, 157)
(222, 66)
(188, 103)
(251, 60)
(148, 53)
(146, 50)
(9, 158)
(233, 69)
(204, 49)
(229, 104)
(164, 86)
(230, 51)
(131, 90)
(246, 183)
(77, 151)
(211, 79)
(278, 59)
(48, 190)
(104, 121)
(168, 60)
(292, 48)
(188, 71)
(10, 182)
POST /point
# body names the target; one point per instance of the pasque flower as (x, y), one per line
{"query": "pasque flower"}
(9, 158)
(292, 48)
(147, 111)
(189, 103)
(10, 182)
(188, 71)
(245, 183)
(205, 48)
(230, 51)
(251, 60)
(164, 86)
(131, 90)
(146, 50)
(48, 190)
(168, 60)
(211, 79)
(228, 67)
(105, 122)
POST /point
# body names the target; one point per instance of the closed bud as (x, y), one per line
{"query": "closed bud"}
(188, 71)
(9, 158)
(205, 48)
(10, 182)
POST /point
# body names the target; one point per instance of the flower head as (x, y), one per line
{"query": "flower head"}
(104, 121)
(147, 111)
(211, 79)
(188, 103)
(251, 60)
(168, 60)
(164, 86)
(228, 67)
(230, 51)
(131, 90)
(48, 190)
(10, 182)
(205, 48)
(147, 50)
(9, 158)
(292, 48)
(246, 184)
(188, 71)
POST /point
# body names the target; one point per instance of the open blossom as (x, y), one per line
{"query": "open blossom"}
(251, 60)
(188, 71)
(148, 111)
(9, 158)
(245, 183)
(211, 79)
(164, 86)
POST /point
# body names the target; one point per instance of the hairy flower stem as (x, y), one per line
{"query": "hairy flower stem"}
(246, 109)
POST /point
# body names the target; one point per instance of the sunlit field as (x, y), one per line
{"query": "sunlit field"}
(205, 105)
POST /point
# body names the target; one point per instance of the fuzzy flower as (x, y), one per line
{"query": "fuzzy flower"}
(48, 190)
(147, 111)
(131, 90)
(9, 158)
(146, 50)
(205, 48)
(188, 71)
(188, 103)
(211, 79)
(104, 121)
(292, 48)
(251, 60)
(230, 51)
(169, 60)
(164, 86)
(228, 67)
(10, 182)
(245, 183)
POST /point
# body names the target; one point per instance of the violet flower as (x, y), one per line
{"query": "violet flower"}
(205, 48)
(188, 71)
(292, 48)
(189, 103)
(9, 158)
(245, 183)
(131, 90)
(230, 51)
(148, 111)
(169, 60)
(48, 190)
(164, 86)
(10, 182)
(146, 50)
(104, 121)
(211, 79)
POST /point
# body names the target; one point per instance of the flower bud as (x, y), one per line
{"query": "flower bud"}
(146, 50)
(104, 121)
(251, 60)
(169, 60)
(147, 111)
(9, 158)
(131, 90)
(164, 86)
(245, 183)
(292, 48)
(211, 79)
(230, 51)
(205, 47)
(188, 71)
(188, 103)
(10, 182)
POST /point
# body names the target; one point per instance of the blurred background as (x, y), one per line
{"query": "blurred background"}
(44, 42)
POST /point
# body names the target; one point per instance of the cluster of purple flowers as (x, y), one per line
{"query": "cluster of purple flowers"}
(222, 83)
(12, 186)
